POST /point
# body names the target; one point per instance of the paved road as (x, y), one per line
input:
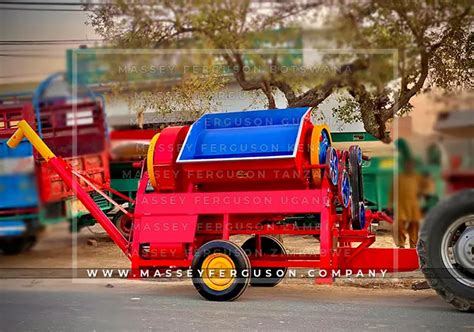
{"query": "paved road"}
(60, 305)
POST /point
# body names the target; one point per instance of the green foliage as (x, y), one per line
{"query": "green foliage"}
(347, 109)
(183, 102)
(396, 48)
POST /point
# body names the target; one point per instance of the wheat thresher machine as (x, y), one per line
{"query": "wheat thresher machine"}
(244, 173)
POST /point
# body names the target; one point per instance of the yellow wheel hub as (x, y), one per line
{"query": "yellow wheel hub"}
(217, 271)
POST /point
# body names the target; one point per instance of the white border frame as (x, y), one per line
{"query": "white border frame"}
(293, 155)
(395, 130)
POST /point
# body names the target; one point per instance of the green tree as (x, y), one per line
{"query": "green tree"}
(433, 39)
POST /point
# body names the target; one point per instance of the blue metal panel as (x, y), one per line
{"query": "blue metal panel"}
(18, 191)
(24, 149)
(12, 227)
(244, 135)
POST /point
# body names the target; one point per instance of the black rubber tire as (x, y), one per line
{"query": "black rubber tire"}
(241, 262)
(355, 179)
(30, 243)
(429, 249)
(270, 246)
(15, 246)
(117, 222)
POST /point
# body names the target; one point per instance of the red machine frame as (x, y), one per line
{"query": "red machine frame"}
(201, 222)
(336, 251)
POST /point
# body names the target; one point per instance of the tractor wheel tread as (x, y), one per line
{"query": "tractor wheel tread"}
(459, 203)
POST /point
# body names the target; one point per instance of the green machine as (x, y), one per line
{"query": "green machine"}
(378, 172)
(124, 178)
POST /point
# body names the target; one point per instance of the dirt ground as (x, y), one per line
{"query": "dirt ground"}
(58, 249)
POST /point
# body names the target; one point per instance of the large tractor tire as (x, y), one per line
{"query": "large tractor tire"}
(446, 249)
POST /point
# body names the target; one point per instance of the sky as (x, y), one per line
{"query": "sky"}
(27, 63)
(21, 63)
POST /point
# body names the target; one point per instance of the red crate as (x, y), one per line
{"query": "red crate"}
(74, 129)
(52, 188)
(11, 114)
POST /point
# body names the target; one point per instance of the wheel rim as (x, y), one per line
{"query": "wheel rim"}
(217, 271)
(457, 250)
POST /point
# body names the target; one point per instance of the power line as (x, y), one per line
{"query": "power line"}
(23, 75)
(48, 42)
(45, 44)
(42, 3)
(35, 50)
(43, 9)
(19, 55)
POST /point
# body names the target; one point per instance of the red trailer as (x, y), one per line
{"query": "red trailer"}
(244, 173)
(75, 127)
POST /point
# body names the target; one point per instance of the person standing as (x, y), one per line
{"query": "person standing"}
(407, 205)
